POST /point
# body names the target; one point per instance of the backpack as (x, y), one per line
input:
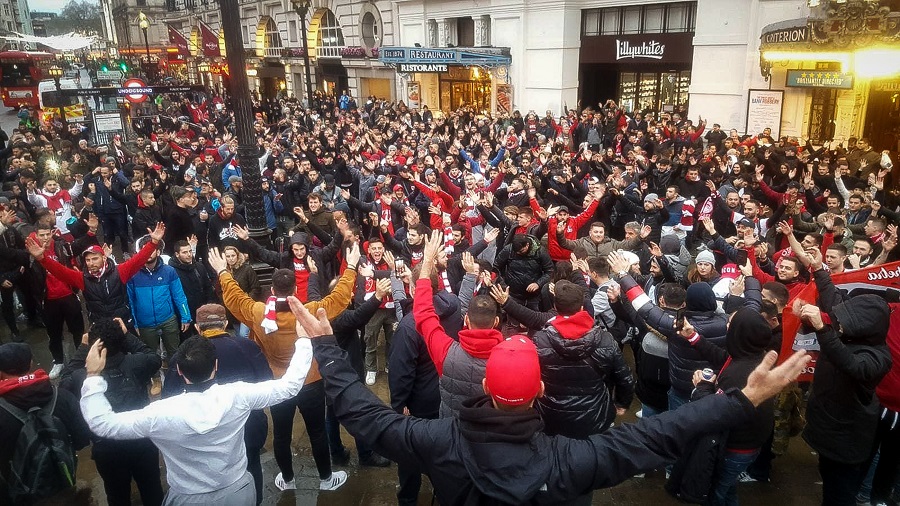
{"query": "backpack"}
(43, 461)
(124, 392)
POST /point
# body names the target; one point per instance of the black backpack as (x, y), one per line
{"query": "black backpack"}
(43, 461)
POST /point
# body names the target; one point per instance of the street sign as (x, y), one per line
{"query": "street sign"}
(110, 75)
(140, 87)
(818, 79)
(119, 92)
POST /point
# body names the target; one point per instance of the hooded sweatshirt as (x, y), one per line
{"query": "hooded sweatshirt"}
(56, 289)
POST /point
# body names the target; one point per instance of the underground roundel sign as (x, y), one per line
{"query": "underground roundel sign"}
(135, 98)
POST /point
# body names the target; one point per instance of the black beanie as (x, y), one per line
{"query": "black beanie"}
(700, 298)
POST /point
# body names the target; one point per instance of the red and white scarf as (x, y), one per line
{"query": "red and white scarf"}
(269, 324)
(448, 240)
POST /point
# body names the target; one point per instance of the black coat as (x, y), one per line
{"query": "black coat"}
(578, 375)
(486, 456)
(519, 271)
(196, 282)
(413, 378)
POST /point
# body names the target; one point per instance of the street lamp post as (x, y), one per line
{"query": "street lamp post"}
(302, 8)
(247, 152)
(144, 23)
(56, 72)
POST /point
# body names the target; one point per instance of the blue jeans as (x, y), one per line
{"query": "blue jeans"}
(675, 400)
(725, 488)
(243, 331)
(648, 411)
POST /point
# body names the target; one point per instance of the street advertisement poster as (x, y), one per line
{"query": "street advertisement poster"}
(764, 111)
(413, 95)
(881, 280)
(504, 98)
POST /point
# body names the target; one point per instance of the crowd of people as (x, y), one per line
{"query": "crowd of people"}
(519, 283)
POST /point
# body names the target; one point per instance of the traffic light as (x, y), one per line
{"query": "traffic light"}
(104, 67)
(123, 66)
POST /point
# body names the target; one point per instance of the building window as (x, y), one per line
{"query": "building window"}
(653, 91)
(677, 17)
(371, 30)
(823, 108)
(292, 32)
(330, 38)
(465, 32)
(273, 43)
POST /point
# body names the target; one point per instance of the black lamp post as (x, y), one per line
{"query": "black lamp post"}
(56, 72)
(247, 152)
(302, 8)
(144, 23)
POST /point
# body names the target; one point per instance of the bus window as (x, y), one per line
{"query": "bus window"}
(15, 74)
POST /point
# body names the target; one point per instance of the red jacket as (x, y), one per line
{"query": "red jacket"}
(557, 252)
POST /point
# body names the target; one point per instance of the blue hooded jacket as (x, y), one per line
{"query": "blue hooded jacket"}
(156, 296)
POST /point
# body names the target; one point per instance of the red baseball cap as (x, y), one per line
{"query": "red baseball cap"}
(513, 372)
(730, 271)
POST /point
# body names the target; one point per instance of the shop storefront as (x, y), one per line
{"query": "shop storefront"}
(839, 70)
(640, 56)
(449, 78)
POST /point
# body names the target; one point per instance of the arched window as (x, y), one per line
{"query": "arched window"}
(330, 38)
(272, 41)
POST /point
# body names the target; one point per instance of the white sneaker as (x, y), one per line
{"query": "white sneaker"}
(333, 482)
(284, 485)
(56, 371)
(370, 378)
(386, 369)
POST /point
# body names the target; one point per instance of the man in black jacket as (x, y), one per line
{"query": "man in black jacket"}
(130, 364)
(236, 360)
(194, 278)
(496, 452)
(26, 390)
(525, 266)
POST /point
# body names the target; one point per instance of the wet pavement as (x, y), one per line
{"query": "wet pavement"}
(795, 478)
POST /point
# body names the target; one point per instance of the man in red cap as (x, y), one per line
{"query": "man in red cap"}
(495, 450)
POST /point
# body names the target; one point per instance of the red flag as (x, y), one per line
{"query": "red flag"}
(881, 279)
(209, 41)
(178, 40)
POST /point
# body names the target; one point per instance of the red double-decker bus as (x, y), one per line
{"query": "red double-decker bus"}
(20, 73)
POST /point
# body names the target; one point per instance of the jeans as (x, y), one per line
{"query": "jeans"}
(170, 333)
(116, 225)
(410, 475)
(675, 400)
(57, 312)
(647, 411)
(725, 487)
(311, 404)
(382, 319)
(840, 481)
(136, 460)
(242, 331)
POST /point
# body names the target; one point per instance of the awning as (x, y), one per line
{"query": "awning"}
(457, 56)
(789, 34)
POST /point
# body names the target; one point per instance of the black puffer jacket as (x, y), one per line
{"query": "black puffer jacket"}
(197, 285)
(519, 271)
(684, 359)
(580, 363)
(842, 414)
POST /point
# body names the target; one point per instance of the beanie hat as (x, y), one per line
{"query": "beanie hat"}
(670, 245)
(707, 257)
(15, 358)
(512, 373)
(700, 298)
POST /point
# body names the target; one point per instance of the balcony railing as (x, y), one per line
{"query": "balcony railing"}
(329, 51)
(273, 52)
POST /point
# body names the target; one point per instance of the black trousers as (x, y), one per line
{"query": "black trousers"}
(136, 460)
(311, 404)
(840, 481)
(889, 460)
(410, 476)
(57, 312)
(8, 308)
(116, 225)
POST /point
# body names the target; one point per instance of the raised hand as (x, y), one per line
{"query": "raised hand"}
(298, 210)
(157, 233)
(216, 261)
(353, 254)
(765, 381)
(759, 172)
(311, 264)
(501, 295)
(468, 263)
(34, 248)
(382, 288)
(491, 235)
(241, 232)
(433, 247)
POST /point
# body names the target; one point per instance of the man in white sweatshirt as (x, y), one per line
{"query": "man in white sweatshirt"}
(200, 432)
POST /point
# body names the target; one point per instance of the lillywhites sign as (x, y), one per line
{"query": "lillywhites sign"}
(819, 79)
(422, 67)
(651, 49)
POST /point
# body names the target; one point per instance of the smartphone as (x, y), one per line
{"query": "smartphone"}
(679, 320)
(741, 257)
(399, 266)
